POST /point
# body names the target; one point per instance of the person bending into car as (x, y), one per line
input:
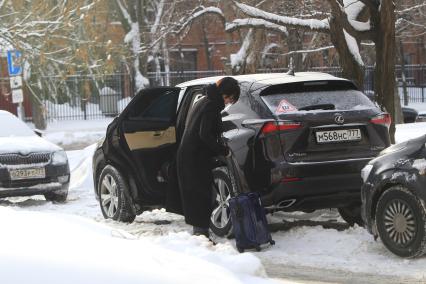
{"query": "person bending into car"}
(201, 141)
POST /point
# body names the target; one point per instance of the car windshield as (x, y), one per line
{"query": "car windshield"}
(341, 100)
(12, 126)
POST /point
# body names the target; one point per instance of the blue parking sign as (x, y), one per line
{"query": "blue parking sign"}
(13, 62)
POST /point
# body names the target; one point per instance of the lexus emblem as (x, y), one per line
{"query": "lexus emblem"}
(338, 118)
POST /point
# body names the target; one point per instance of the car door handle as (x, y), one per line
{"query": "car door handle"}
(158, 133)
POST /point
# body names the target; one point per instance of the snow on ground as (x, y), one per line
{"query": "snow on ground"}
(410, 130)
(148, 246)
(59, 248)
(137, 253)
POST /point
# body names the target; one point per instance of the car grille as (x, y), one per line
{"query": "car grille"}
(16, 159)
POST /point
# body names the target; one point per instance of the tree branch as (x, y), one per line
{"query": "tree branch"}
(197, 14)
(311, 24)
(255, 23)
(353, 27)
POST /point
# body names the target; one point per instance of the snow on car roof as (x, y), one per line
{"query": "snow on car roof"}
(12, 126)
(268, 78)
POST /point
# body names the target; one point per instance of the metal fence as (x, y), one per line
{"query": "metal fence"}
(88, 97)
(97, 97)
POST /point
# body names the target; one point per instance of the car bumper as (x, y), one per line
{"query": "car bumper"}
(317, 186)
(57, 178)
(33, 190)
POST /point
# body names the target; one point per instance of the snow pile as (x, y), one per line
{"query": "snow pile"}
(409, 131)
(69, 249)
(107, 91)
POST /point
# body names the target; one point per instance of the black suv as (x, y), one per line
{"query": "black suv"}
(300, 140)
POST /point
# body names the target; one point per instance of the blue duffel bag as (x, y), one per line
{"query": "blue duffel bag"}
(249, 222)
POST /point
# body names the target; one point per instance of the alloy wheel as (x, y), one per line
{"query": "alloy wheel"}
(109, 195)
(220, 215)
(400, 222)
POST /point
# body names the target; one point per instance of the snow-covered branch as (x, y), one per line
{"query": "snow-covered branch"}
(255, 23)
(185, 23)
(303, 51)
(348, 15)
(311, 24)
(123, 11)
(411, 9)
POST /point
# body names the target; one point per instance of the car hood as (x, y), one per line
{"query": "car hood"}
(25, 145)
(400, 155)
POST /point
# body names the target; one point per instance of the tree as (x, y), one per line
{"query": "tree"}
(147, 24)
(53, 38)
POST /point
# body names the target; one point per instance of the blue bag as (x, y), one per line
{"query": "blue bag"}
(249, 222)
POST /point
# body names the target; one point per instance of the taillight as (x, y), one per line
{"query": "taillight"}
(275, 126)
(382, 119)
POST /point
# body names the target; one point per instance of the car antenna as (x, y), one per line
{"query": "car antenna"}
(290, 67)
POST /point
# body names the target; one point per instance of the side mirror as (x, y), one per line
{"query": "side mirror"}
(38, 132)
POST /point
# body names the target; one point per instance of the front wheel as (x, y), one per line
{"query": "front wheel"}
(220, 221)
(114, 205)
(400, 220)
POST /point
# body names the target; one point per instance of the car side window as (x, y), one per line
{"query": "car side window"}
(161, 107)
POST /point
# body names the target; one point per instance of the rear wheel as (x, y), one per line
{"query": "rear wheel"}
(220, 221)
(400, 220)
(114, 205)
(351, 215)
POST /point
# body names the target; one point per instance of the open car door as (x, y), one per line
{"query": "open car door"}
(148, 132)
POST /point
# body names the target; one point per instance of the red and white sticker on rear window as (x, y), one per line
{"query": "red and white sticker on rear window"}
(285, 107)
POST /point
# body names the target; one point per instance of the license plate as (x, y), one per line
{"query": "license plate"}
(33, 173)
(338, 135)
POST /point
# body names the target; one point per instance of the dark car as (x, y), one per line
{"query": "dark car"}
(300, 140)
(30, 165)
(394, 196)
(409, 115)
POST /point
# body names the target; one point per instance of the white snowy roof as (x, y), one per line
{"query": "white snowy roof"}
(268, 78)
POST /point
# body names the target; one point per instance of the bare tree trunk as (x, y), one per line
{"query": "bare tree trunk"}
(294, 42)
(206, 45)
(385, 61)
(350, 68)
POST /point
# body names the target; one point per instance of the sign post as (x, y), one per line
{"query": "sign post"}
(15, 71)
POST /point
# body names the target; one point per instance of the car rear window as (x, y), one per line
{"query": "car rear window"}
(341, 99)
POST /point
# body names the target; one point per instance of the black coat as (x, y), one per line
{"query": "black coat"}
(200, 143)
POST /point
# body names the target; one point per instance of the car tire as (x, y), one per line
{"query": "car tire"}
(59, 196)
(351, 215)
(400, 220)
(220, 220)
(112, 200)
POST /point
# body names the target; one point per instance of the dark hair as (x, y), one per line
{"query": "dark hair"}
(230, 87)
